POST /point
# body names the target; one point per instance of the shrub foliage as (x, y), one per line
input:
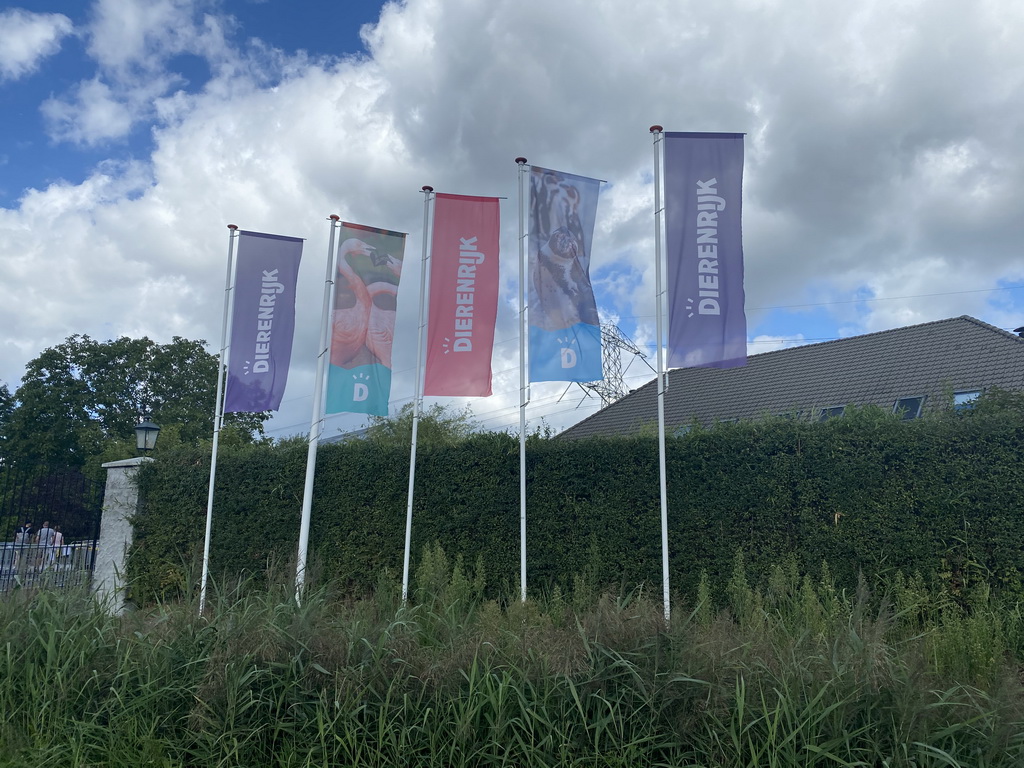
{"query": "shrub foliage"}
(868, 494)
(798, 673)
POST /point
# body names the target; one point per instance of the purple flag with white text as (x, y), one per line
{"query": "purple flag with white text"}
(707, 327)
(262, 321)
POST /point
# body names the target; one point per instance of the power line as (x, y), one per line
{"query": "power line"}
(889, 298)
(860, 301)
(512, 409)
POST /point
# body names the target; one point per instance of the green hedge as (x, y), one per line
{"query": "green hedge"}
(867, 493)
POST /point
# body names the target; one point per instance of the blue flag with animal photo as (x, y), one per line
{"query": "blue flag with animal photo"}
(565, 330)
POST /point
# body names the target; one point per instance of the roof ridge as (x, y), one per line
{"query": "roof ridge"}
(901, 328)
(762, 357)
(991, 327)
(603, 410)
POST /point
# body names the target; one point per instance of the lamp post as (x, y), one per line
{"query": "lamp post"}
(146, 433)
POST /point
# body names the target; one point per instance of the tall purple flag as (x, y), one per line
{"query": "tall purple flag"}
(262, 322)
(707, 327)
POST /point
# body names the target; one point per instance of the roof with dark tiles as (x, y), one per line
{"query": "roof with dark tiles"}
(931, 360)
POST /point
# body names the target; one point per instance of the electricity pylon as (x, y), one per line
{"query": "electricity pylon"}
(613, 342)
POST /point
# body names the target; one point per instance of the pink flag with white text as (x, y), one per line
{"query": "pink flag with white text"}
(463, 296)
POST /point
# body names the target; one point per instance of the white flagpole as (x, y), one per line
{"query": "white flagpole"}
(316, 424)
(656, 131)
(524, 392)
(218, 412)
(417, 390)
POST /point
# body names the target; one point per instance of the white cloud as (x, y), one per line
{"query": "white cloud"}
(92, 116)
(882, 160)
(27, 38)
(127, 36)
(131, 44)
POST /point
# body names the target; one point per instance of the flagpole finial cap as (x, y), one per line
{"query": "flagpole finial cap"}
(232, 227)
(427, 188)
(521, 160)
(334, 217)
(656, 129)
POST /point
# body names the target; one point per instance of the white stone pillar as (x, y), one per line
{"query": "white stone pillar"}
(120, 502)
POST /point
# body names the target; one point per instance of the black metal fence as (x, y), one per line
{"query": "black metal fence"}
(49, 520)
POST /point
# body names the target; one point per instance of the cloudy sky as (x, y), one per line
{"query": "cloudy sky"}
(883, 177)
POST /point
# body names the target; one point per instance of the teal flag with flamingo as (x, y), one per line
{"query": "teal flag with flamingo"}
(369, 266)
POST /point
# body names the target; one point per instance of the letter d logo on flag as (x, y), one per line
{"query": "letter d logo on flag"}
(565, 328)
(368, 266)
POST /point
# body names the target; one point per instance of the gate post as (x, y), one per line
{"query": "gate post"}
(120, 502)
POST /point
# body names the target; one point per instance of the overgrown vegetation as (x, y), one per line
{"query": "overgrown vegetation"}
(79, 401)
(870, 494)
(786, 671)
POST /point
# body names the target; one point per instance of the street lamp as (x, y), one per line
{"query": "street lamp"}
(146, 433)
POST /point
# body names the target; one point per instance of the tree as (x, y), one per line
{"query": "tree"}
(6, 404)
(78, 396)
(439, 425)
(6, 408)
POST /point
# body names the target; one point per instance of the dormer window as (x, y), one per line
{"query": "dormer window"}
(965, 399)
(908, 407)
(831, 412)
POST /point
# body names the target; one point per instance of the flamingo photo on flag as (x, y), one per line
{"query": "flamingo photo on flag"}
(369, 266)
(565, 330)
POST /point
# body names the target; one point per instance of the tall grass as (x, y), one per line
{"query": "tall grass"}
(792, 673)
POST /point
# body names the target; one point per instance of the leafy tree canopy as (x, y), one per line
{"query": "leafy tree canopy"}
(82, 395)
(6, 408)
(6, 404)
(438, 425)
